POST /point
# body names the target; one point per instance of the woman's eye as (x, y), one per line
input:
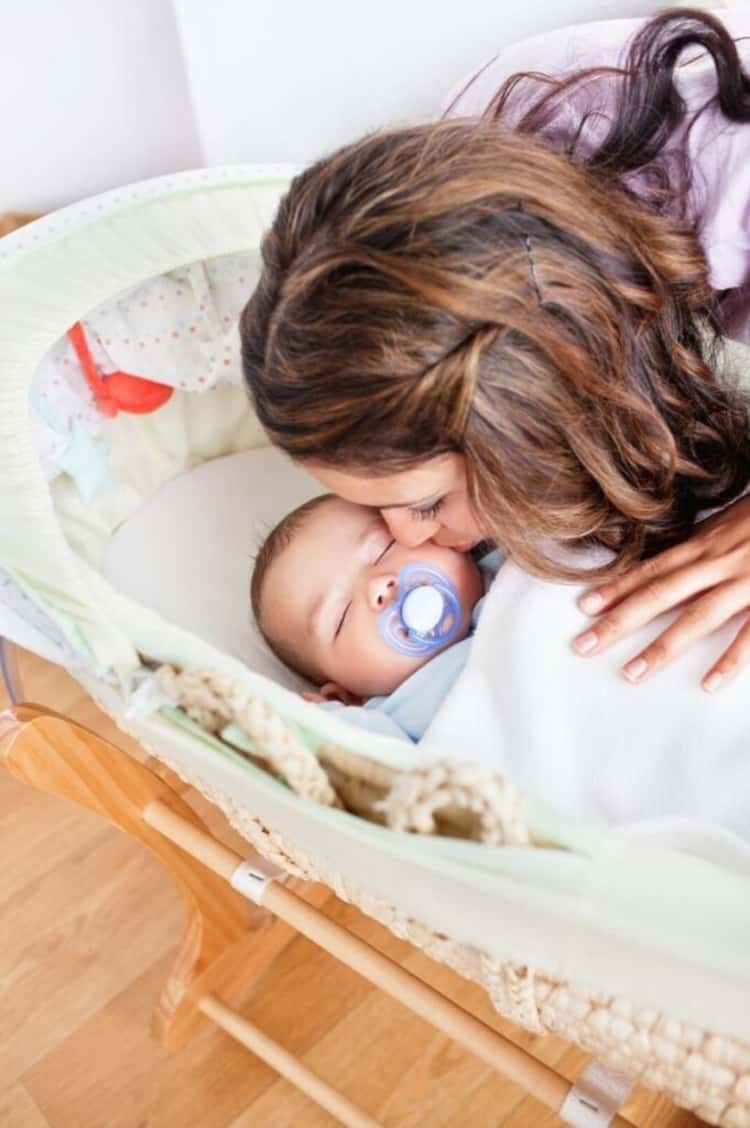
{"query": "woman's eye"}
(341, 621)
(428, 513)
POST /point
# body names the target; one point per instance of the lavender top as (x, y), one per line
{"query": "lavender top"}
(718, 150)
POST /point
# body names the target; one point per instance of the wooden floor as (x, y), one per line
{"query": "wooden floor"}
(89, 924)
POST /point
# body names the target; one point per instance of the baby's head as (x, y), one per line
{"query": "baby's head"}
(323, 581)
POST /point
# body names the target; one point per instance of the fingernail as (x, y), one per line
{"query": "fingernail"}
(591, 603)
(635, 669)
(585, 643)
(712, 682)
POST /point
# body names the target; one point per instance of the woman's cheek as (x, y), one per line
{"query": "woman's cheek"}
(465, 518)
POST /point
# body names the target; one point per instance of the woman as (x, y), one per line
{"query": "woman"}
(505, 326)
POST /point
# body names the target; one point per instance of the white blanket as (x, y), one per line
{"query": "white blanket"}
(574, 733)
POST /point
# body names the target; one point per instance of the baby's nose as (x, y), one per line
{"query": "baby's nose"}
(381, 590)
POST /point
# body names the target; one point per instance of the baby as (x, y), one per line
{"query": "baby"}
(383, 630)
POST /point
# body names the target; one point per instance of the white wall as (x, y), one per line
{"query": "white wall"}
(93, 94)
(291, 79)
(97, 93)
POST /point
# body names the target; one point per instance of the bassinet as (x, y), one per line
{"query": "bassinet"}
(638, 953)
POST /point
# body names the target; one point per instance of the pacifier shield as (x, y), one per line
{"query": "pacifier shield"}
(426, 614)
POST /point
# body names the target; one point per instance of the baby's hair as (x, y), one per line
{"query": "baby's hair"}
(275, 543)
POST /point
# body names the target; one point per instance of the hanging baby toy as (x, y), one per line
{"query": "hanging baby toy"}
(425, 616)
(118, 391)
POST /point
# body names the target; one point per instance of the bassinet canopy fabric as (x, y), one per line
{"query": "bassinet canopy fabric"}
(669, 930)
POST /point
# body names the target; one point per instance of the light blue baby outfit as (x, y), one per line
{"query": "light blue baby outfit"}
(408, 711)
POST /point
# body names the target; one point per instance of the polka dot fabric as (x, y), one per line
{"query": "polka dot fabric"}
(179, 329)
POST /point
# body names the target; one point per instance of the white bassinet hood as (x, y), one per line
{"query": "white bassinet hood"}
(52, 273)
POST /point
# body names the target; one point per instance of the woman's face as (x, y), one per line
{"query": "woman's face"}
(426, 502)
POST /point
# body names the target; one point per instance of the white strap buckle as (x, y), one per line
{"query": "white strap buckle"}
(596, 1097)
(249, 880)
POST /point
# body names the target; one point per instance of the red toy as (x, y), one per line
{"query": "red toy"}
(119, 391)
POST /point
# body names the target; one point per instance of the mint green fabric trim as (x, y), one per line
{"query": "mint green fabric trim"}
(644, 896)
(648, 892)
(604, 912)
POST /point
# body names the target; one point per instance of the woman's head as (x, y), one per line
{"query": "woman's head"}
(461, 315)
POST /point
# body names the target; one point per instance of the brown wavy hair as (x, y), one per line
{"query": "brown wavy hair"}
(467, 287)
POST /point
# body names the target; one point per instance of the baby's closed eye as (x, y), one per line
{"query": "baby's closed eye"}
(340, 619)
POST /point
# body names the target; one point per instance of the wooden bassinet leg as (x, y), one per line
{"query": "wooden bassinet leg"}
(540, 1080)
(227, 943)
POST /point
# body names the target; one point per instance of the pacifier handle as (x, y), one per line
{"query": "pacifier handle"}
(422, 609)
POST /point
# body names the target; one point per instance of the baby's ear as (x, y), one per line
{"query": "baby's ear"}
(333, 692)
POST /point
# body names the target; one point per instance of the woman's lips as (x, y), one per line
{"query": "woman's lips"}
(457, 546)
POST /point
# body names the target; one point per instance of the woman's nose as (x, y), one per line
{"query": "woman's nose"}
(381, 591)
(409, 533)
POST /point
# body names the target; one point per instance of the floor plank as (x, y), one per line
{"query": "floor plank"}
(18, 1110)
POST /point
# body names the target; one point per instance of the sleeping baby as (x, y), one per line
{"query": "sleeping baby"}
(383, 630)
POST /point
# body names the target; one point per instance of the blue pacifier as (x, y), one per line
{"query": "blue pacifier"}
(425, 615)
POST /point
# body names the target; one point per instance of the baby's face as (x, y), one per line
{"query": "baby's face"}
(324, 594)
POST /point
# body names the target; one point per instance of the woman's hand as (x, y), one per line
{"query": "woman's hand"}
(710, 573)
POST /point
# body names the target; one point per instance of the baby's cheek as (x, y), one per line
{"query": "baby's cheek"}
(364, 656)
(383, 667)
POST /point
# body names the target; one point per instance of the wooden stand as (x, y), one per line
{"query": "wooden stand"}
(227, 944)
(220, 950)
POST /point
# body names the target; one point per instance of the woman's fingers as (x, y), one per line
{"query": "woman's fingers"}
(707, 577)
(701, 618)
(653, 597)
(724, 536)
(597, 600)
(734, 658)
